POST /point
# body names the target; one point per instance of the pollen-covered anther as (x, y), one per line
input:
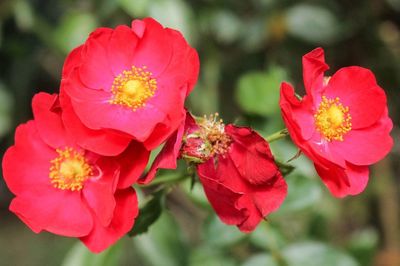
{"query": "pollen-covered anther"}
(332, 119)
(133, 88)
(69, 170)
(213, 131)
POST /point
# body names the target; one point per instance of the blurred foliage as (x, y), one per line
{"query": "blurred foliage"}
(246, 49)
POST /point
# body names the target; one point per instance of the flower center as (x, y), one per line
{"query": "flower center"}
(332, 119)
(210, 139)
(212, 131)
(69, 170)
(132, 88)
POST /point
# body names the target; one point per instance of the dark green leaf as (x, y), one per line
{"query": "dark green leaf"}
(148, 214)
(163, 244)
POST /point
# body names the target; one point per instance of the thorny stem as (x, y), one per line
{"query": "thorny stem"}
(277, 135)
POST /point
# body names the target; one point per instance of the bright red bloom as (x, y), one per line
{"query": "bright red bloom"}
(341, 124)
(235, 166)
(61, 188)
(128, 83)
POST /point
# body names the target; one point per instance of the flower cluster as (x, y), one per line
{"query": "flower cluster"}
(122, 94)
(72, 168)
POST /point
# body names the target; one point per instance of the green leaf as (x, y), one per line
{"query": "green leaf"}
(6, 106)
(226, 26)
(24, 15)
(162, 244)
(210, 256)
(219, 234)
(303, 193)
(175, 14)
(363, 245)
(73, 30)
(265, 236)
(137, 8)
(316, 254)
(260, 259)
(312, 23)
(395, 4)
(284, 167)
(79, 255)
(258, 92)
(148, 214)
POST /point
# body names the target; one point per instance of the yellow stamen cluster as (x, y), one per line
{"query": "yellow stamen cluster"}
(69, 170)
(212, 130)
(132, 88)
(332, 119)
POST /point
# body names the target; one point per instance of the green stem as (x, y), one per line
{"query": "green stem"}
(277, 135)
(166, 179)
(274, 250)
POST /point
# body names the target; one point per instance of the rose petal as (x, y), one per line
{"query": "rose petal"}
(104, 142)
(251, 155)
(99, 190)
(49, 123)
(125, 213)
(222, 199)
(368, 145)
(133, 161)
(54, 210)
(357, 89)
(314, 67)
(341, 182)
(121, 49)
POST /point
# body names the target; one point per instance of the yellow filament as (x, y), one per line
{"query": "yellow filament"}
(332, 119)
(69, 170)
(132, 88)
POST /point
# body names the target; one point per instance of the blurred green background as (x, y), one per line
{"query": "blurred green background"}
(246, 49)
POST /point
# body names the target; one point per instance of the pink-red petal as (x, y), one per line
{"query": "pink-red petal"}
(132, 161)
(154, 49)
(26, 164)
(168, 156)
(368, 145)
(104, 142)
(54, 210)
(46, 110)
(251, 155)
(314, 67)
(125, 213)
(357, 89)
(342, 182)
(121, 49)
(95, 70)
(222, 199)
(298, 112)
(99, 190)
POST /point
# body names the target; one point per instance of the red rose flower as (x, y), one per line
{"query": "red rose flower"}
(128, 83)
(341, 123)
(63, 189)
(235, 166)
